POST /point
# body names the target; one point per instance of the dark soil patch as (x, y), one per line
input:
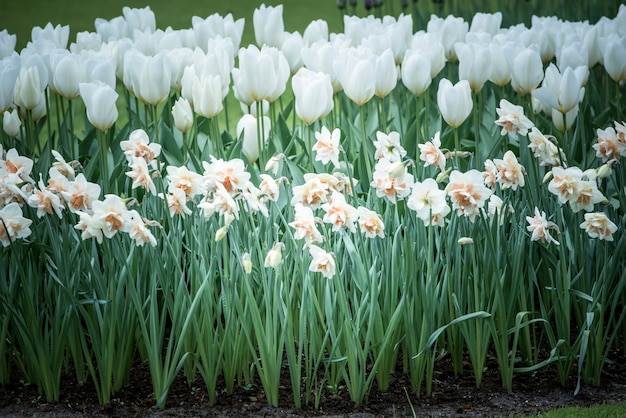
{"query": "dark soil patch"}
(452, 396)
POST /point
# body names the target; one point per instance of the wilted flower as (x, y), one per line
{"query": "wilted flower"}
(467, 192)
(370, 223)
(429, 202)
(327, 146)
(510, 173)
(274, 255)
(388, 146)
(139, 232)
(540, 227)
(512, 119)
(323, 262)
(431, 153)
(544, 149)
(598, 225)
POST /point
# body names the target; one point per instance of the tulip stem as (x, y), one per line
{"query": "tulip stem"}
(426, 116)
(259, 132)
(72, 142)
(309, 145)
(48, 123)
(364, 141)
(155, 123)
(104, 166)
(457, 147)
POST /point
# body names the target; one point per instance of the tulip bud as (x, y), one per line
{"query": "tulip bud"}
(247, 263)
(183, 115)
(12, 123)
(274, 256)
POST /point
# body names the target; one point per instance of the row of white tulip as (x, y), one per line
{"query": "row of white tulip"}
(367, 59)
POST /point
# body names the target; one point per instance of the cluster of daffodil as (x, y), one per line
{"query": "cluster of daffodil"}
(504, 234)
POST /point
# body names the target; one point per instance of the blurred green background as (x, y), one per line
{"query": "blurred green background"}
(19, 17)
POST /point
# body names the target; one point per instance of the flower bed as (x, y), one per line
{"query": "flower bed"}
(449, 192)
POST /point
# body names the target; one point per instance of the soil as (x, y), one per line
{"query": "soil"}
(452, 396)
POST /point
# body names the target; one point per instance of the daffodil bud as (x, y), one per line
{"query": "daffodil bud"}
(465, 241)
(443, 176)
(274, 256)
(547, 177)
(221, 233)
(397, 169)
(247, 263)
(605, 170)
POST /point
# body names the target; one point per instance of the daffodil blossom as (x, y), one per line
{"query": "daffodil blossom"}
(540, 227)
